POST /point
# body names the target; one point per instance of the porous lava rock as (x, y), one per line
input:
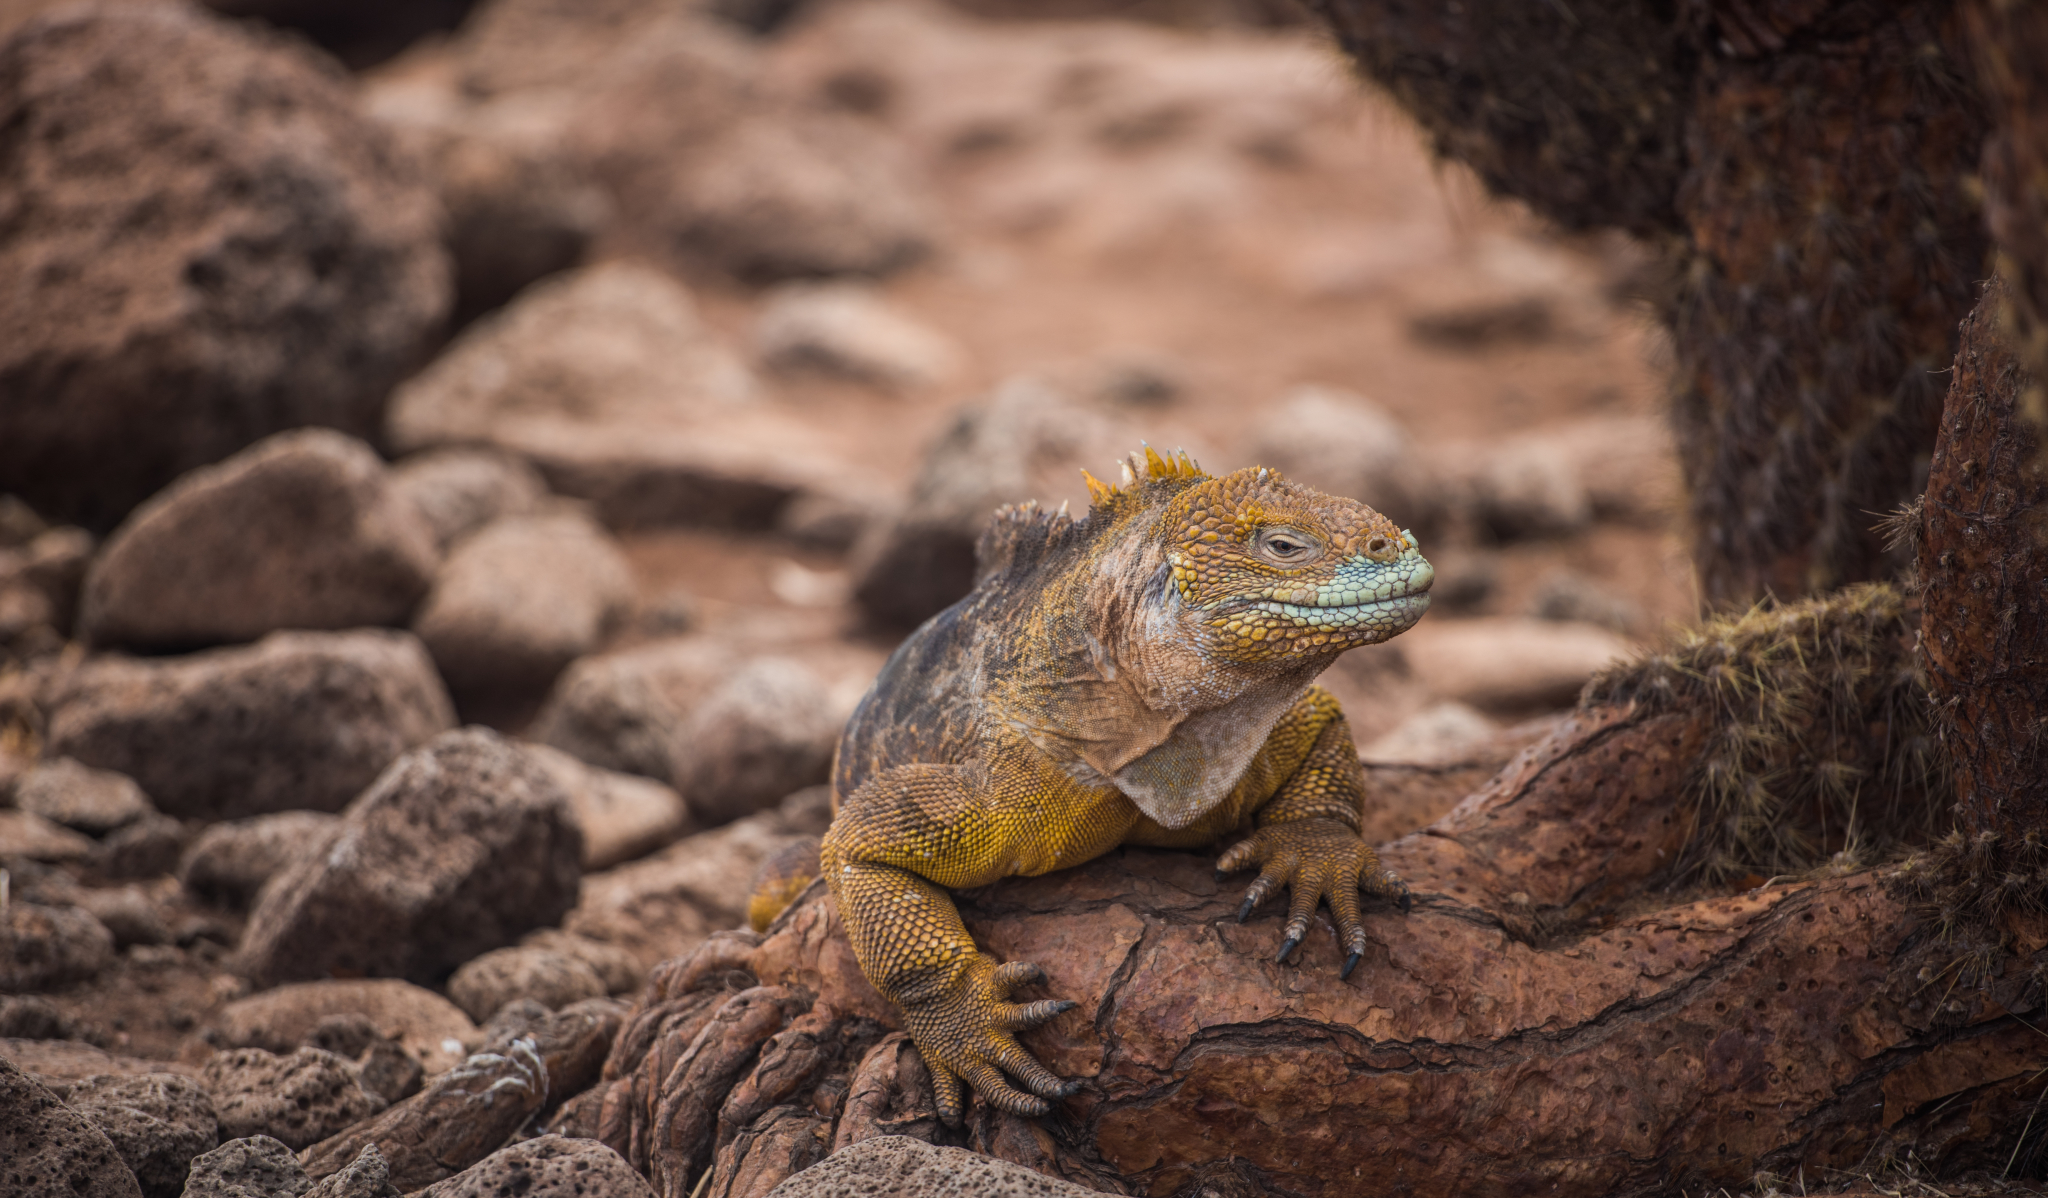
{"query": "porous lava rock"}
(461, 846)
(461, 489)
(468, 1112)
(43, 947)
(158, 1122)
(623, 816)
(1024, 441)
(253, 1167)
(483, 986)
(48, 1150)
(427, 1026)
(230, 861)
(297, 721)
(299, 1099)
(520, 599)
(300, 530)
(732, 733)
(546, 1167)
(77, 796)
(279, 263)
(902, 1167)
(609, 382)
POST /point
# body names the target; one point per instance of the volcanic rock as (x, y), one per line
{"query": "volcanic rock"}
(230, 861)
(428, 1027)
(608, 359)
(158, 1122)
(281, 264)
(300, 530)
(846, 331)
(299, 1099)
(520, 599)
(28, 835)
(623, 816)
(901, 1167)
(44, 947)
(256, 1167)
(460, 846)
(92, 801)
(484, 985)
(731, 733)
(298, 721)
(546, 1167)
(48, 1150)
(459, 490)
(663, 905)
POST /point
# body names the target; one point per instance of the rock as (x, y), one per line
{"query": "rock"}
(456, 1121)
(1556, 480)
(40, 581)
(663, 905)
(24, 834)
(32, 1017)
(617, 348)
(520, 599)
(93, 801)
(75, 1060)
(157, 1123)
(505, 975)
(1569, 596)
(1342, 443)
(428, 1027)
(731, 733)
(618, 969)
(846, 331)
(367, 1176)
(1026, 441)
(831, 520)
(720, 169)
(459, 847)
(298, 721)
(44, 947)
(300, 530)
(546, 1167)
(519, 208)
(127, 913)
(300, 1099)
(900, 1167)
(48, 1150)
(147, 848)
(229, 862)
(1439, 734)
(283, 268)
(1506, 663)
(256, 1167)
(457, 491)
(623, 816)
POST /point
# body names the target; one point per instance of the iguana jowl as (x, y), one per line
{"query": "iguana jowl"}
(1142, 676)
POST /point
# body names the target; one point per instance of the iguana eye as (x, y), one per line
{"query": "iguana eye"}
(1287, 547)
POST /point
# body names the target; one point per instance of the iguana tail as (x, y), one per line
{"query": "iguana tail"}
(781, 878)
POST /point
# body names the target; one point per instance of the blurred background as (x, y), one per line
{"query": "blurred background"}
(739, 318)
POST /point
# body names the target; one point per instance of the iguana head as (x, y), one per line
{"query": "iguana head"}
(1270, 570)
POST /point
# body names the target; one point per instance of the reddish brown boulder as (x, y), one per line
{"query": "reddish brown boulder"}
(299, 531)
(460, 847)
(48, 1150)
(281, 264)
(297, 721)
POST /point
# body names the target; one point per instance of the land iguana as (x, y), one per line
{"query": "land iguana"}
(1142, 676)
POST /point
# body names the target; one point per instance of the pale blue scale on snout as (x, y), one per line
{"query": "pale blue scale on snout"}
(1366, 593)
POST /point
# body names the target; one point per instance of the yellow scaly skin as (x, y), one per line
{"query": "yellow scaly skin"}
(1142, 677)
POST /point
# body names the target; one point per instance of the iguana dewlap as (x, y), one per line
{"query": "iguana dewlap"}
(1142, 676)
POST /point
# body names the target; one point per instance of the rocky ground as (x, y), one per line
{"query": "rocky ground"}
(451, 506)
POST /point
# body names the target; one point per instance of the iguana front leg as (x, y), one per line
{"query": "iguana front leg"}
(894, 843)
(1307, 834)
